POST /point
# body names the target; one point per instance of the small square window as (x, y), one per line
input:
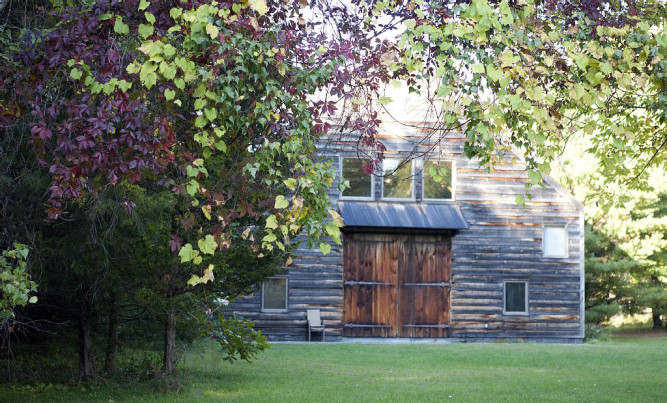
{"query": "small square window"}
(515, 298)
(397, 182)
(438, 180)
(361, 183)
(554, 241)
(274, 294)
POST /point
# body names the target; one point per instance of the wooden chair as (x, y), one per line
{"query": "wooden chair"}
(315, 323)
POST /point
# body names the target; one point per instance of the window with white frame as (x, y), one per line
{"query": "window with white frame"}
(438, 180)
(274, 294)
(397, 182)
(360, 183)
(515, 298)
(554, 241)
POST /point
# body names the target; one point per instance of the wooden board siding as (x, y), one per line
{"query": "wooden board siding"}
(315, 282)
(396, 285)
(504, 242)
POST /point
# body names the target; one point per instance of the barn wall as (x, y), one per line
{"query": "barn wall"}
(504, 242)
(315, 282)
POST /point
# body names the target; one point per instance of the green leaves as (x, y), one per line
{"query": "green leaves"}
(259, 6)
(478, 68)
(147, 74)
(15, 282)
(336, 218)
(206, 276)
(581, 60)
(271, 222)
(145, 30)
(188, 254)
(507, 17)
(75, 73)
(520, 200)
(325, 248)
(269, 238)
(167, 70)
(211, 114)
(290, 183)
(173, 64)
(281, 202)
(207, 245)
(540, 80)
(534, 176)
(175, 13)
(212, 31)
(385, 100)
(143, 4)
(507, 58)
(124, 85)
(120, 27)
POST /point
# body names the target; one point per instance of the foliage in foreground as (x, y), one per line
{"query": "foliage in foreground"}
(15, 282)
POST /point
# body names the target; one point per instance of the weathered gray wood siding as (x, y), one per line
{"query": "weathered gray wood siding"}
(315, 282)
(504, 242)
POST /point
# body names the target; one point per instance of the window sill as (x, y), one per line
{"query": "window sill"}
(356, 198)
(439, 201)
(398, 199)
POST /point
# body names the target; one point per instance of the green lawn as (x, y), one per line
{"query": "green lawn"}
(624, 370)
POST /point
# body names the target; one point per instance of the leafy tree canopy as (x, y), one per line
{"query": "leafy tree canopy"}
(223, 101)
(532, 75)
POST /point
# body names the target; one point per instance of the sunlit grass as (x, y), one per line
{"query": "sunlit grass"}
(623, 370)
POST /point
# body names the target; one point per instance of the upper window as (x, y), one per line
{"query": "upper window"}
(554, 241)
(361, 183)
(274, 294)
(516, 297)
(438, 180)
(397, 182)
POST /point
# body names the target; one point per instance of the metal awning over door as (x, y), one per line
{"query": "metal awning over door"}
(410, 216)
(396, 285)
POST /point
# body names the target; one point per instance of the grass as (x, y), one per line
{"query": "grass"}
(628, 369)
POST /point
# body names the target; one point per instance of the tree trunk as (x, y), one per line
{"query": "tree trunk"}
(657, 321)
(112, 336)
(169, 362)
(86, 363)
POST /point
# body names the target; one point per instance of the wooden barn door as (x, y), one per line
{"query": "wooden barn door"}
(396, 285)
(424, 279)
(371, 267)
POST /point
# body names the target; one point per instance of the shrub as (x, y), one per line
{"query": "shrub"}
(597, 332)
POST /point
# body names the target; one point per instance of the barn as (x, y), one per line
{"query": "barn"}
(434, 246)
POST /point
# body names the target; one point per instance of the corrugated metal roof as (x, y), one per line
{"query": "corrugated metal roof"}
(402, 215)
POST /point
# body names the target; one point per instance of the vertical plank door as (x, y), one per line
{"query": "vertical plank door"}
(396, 285)
(370, 273)
(424, 287)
